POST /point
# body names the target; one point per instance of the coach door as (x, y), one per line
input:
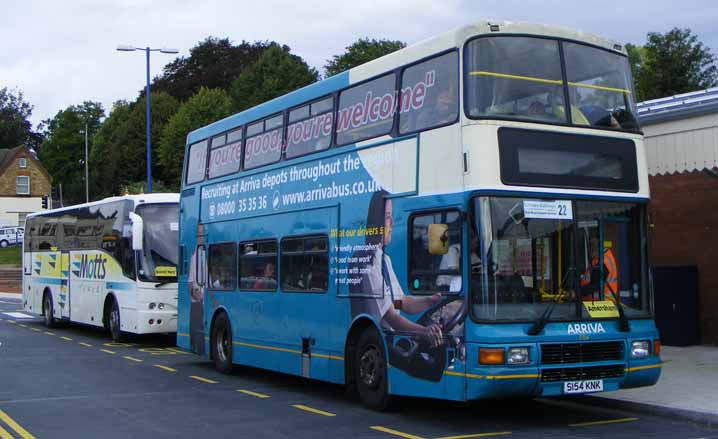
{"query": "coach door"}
(65, 296)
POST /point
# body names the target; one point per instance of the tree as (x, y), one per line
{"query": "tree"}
(119, 153)
(277, 72)
(63, 151)
(673, 63)
(205, 107)
(15, 126)
(362, 51)
(213, 63)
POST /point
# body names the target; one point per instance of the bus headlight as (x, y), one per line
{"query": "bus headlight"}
(151, 305)
(160, 305)
(640, 349)
(518, 355)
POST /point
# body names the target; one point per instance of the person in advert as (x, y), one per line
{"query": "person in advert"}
(379, 281)
(196, 282)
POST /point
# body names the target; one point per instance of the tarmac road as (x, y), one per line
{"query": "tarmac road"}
(72, 382)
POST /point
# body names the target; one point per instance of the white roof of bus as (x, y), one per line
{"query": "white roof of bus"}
(137, 199)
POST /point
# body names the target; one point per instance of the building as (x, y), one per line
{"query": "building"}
(681, 136)
(23, 183)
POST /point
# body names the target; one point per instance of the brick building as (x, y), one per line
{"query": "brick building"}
(681, 136)
(23, 183)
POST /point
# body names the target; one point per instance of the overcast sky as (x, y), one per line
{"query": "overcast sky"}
(61, 53)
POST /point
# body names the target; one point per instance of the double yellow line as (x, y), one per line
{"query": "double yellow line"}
(17, 428)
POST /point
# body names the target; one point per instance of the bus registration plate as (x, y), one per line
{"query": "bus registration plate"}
(583, 386)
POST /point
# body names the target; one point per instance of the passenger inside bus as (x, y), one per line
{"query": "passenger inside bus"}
(268, 279)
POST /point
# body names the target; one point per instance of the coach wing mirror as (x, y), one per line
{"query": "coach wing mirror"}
(137, 230)
(438, 239)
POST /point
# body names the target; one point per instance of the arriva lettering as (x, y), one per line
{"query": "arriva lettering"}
(586, 328)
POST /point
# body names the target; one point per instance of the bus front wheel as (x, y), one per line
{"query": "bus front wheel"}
(113, 322)
(221, 344)
(47, 310)
(370, 370)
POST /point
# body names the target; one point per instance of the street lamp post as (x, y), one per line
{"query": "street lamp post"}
(128, 48)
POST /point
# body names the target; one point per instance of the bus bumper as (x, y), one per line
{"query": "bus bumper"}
(153, 322)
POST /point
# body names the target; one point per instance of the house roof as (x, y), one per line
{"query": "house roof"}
(7, 156)
(682, 106)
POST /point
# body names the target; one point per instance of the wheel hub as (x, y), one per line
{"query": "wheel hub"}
(369, 365)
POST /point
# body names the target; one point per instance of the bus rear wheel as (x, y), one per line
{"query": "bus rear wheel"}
(48, 311)
(370, 371)
(113, 322)
(221, 344)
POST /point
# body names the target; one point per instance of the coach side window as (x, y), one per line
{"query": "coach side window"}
(305, 264)
(197, 162)
(222, 266)
(310, 128)
(429, 94)
(226, 154)
(264, 142)
(258, 265)
(366, 110)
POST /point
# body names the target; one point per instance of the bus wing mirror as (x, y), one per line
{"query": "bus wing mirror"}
(137, 230)
(438, 239)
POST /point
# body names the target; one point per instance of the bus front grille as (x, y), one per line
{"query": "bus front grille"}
(582, 373)
(562, 353)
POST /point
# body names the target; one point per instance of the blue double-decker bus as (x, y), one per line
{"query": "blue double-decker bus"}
(464, 218)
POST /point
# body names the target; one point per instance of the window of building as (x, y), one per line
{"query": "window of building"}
(223, 266)
(22, 185)
(429, 94)
(264, 142)
(367, 110)
(258, 265)
(22, 163)
(305, 264)
(430, 273)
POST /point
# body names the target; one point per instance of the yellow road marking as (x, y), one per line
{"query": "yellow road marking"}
(167, 368)
(204, 380)
(11, 321)
(312, 410)
(136, 360)
(395, 432)
(468, 436)
(35, 329)
(610, 421)
(22, 324)
(107, 351)
(85, 344)
(49, 333)
(24, 434)
(66, 338)
(4, 434)
(257, 394)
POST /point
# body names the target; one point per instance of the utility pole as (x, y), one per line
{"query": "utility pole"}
(87, 181)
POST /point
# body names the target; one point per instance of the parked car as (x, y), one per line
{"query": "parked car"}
(11, 236)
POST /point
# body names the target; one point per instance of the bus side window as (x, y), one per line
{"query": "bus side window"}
(222, 266)
(305, 264)
(435, 272)
(258, 265)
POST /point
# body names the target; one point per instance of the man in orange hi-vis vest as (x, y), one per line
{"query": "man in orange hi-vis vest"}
(590, 279)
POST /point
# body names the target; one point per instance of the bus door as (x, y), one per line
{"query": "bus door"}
(308, 292)
(64, 273)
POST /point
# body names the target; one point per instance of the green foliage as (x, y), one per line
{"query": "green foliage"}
(15, 127)
(63, 151)
(205, 107)
(140, 187)
(673, 63)
(11, 255)
(213, 63)
(277, 72)
(362, 51)
(119, 152)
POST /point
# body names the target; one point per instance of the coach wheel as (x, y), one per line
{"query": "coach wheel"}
(221, 344)
(371, 370)
(114, 323)
(47, 310)
(4, 243)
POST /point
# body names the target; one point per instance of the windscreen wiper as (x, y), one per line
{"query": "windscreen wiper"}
(541, 322)
(157, 285)
(623, 324)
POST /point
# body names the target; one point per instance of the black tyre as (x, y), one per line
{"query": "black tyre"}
(48, 311)
(114, 323)
(221, 344)
(370, 371)
(4, 243)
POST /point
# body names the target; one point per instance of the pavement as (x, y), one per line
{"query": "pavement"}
(686, 389)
